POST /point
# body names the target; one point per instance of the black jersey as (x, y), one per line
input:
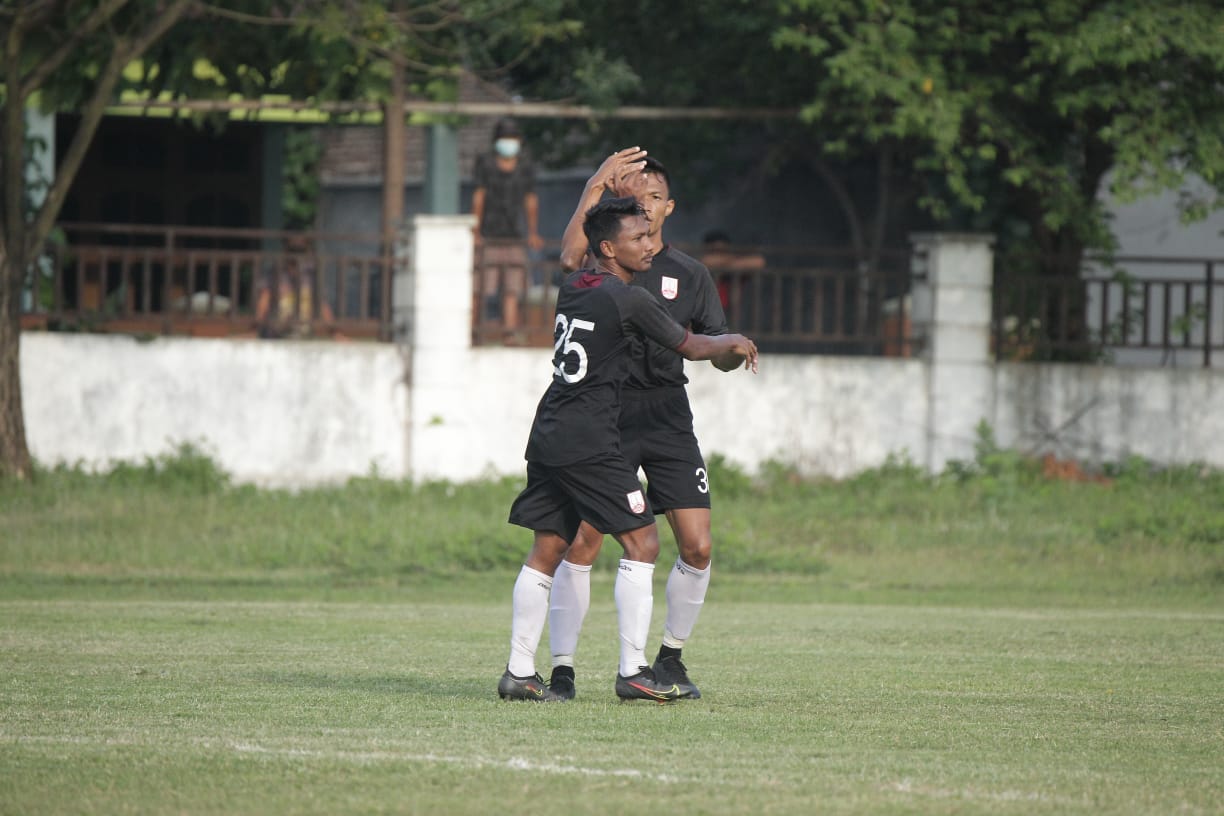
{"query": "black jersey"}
(596, 317)
(686, 289)
(504, 193)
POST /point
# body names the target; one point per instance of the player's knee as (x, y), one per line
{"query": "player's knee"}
(695, 550)
(546, 553)
(641, 545)
(585, 546)
(646, 552)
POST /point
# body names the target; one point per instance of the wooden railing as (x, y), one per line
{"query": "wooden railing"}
(802, 300)
(207, 282)
(157, 280)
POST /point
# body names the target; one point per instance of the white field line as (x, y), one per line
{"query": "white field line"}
(513, 763)
(908, 786)
(368, 757)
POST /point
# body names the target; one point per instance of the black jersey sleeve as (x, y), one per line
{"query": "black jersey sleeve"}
(644, 316)
(708, 314)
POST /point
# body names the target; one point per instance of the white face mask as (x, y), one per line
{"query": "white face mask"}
(507, 147)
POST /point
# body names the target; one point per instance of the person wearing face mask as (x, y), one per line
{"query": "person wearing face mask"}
(507, 223)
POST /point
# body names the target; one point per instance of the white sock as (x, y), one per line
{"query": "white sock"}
(686, 591)
(634, 605)
(567, 609)
(527, 625)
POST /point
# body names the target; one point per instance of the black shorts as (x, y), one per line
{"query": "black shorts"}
(657, 435)
(604, 492)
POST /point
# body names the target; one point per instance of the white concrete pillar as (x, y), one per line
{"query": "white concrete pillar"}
(433, 324)
(952, 309)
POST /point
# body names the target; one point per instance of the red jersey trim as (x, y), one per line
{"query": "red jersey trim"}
(589, 279)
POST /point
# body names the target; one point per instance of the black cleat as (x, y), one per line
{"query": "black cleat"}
(525, 688)
(644, 686)
(670, 670)
(562, 682)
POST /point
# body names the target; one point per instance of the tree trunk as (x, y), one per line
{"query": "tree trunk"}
(23, 239)
(14, 454)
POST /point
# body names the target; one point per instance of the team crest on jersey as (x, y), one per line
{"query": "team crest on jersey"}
(637, 503)
(671, 287)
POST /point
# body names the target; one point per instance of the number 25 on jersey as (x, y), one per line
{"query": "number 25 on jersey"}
(565, 345)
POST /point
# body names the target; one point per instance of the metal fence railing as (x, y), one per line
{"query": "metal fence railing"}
(1135, 310)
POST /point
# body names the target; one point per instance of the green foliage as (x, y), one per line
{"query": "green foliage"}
(1001, 118)
(300, 195)
(81, 57)
(990, 528)
(728, 479)
(994, 468)
(1029, 104)
(1187, 509)
(700, 53)
(187, 469)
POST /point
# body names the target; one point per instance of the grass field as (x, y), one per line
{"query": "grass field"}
(982, 643)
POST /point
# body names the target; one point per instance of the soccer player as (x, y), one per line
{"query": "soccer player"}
(656, 426)
(575, 469)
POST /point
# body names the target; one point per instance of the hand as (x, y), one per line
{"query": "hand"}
(631, 183)
(748, 350)
(620, 165)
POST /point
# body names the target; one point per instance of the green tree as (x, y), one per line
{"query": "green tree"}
(1023, 112)
(1008, 118)
(79, 55)
(40, 39)
(724, 53)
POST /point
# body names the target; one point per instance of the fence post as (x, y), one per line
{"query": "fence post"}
(1210, 311)
(952, 311)
(432, 314)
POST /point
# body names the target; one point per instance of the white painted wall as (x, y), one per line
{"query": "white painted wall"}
(1104, 413)
(270, 412)
(826, 415)
(296, 414)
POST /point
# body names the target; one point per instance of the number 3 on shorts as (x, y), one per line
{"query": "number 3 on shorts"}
(703, 480)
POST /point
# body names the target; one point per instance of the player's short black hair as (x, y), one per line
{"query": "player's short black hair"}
(656, 167)
(603, 221)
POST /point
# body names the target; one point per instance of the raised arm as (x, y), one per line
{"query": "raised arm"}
(619, 164)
